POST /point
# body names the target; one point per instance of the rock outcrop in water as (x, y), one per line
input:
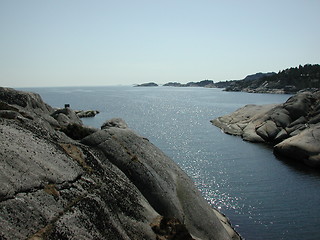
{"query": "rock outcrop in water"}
(62, 180)
(293, 127)
(86, 113)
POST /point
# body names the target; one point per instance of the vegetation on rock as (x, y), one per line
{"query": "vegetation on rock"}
(203, 83)
(150, 84)
(290, 80)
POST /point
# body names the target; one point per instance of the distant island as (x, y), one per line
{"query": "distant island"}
(204, 83)
(290, 80)
(150, 84)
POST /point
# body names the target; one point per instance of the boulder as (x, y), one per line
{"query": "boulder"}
(281, 136)
(86, 114)
(299, 105)
(300, 120)
(114, 122)
(66, 116)
(280, 116)
(304, 146)
(250, 134)
(268, 130)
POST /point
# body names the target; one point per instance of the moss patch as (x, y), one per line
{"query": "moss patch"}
(51, 189)
(76, 154)
(77, 131)
(168, 228)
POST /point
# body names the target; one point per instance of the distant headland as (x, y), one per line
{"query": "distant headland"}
(290, 80)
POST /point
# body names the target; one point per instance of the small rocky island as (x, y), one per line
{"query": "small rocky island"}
(293, 128)
(150, 84)
(60, 179)
(203, 83)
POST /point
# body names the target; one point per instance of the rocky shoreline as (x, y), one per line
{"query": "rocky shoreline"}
(86, 113)
(293, 128)
(63, 180)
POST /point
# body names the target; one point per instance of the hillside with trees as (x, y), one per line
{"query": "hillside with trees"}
(290, 80)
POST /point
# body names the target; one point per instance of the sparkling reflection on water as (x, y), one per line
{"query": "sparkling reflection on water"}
(265, 198)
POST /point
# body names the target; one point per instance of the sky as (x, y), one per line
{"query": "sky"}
(47, 43)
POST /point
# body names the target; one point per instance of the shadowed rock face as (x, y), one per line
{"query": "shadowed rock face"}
(112, 184)
(293, 127)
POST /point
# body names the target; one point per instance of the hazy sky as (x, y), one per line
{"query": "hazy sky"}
(104, 42)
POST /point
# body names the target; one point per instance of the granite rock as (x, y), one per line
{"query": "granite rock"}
(112, 184)
(87, 113)
(292, 126)
(166, 187)
(115, 122)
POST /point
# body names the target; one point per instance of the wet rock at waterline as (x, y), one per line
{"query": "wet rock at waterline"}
(86, 113)
(293, 127)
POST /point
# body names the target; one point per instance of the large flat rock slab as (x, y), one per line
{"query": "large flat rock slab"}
(29, 162)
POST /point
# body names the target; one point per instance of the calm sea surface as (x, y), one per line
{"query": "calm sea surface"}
(264, 197)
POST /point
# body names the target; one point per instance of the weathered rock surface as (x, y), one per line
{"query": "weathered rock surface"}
(304, 146)
(114, 122)
(292, 126)
(66, 116)
(166, 187)
(112, 184)
(86, 113)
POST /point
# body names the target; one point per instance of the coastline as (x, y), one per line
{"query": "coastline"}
(292, 128)
(67, 164)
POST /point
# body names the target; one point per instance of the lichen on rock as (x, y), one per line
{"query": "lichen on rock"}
(63, 180)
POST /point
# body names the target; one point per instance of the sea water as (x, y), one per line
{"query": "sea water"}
(264, 197)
